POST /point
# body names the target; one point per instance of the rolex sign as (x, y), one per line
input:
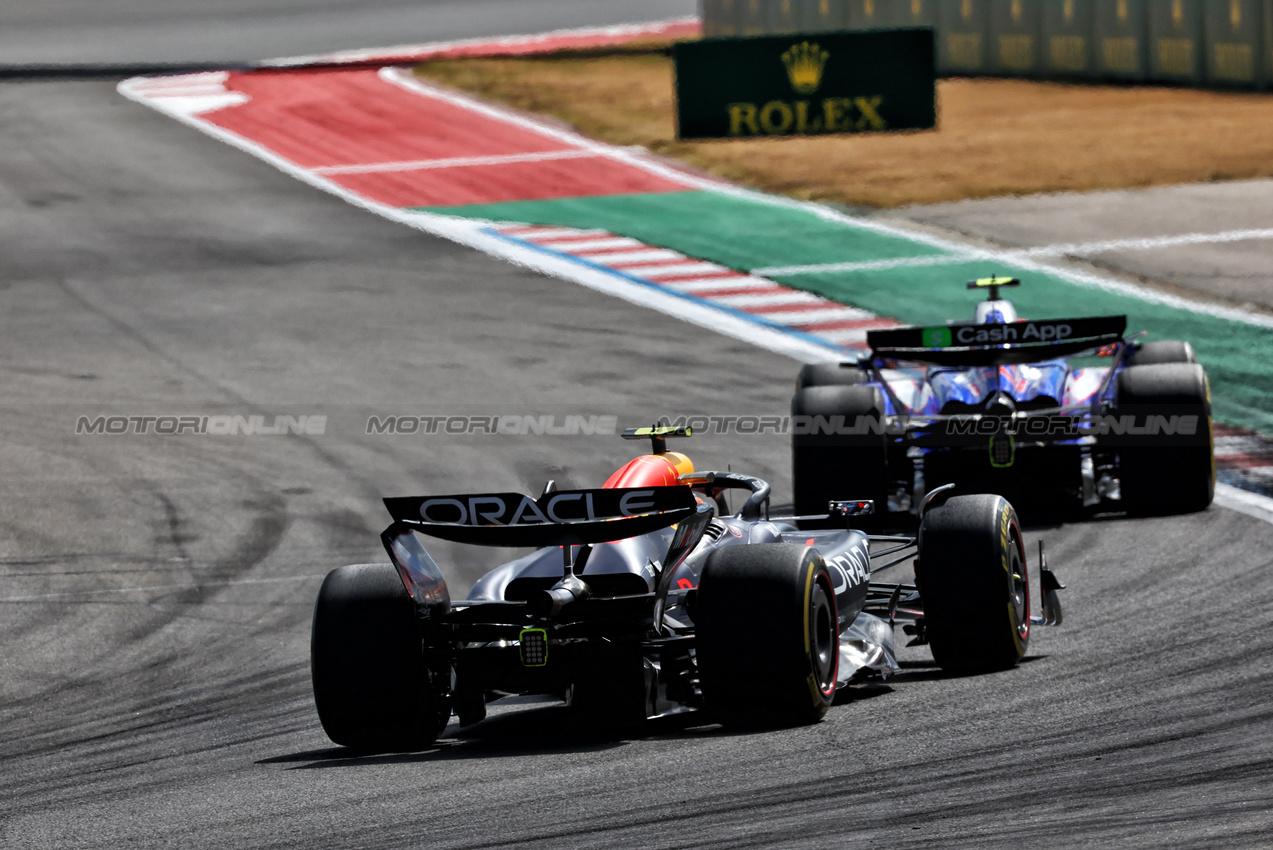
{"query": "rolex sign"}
(805, 85)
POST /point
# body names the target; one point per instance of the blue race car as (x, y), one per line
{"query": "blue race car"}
(1052, 414)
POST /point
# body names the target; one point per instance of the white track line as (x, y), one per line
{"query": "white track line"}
(535, 233)
(1063, 249)
(773, 299)
(712, 284)
(622, 259)
(874, 265)
(810, 317)
(690, 267)
(1145, 244)
(598, 245)
(1251, 504)
(454, 162)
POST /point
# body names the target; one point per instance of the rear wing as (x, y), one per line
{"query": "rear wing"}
(996, 344)
(560, 518)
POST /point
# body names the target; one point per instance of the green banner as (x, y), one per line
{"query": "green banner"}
(914, 13)
(823, 15)
(1067, 38)
(868, 14)
(962, 46)
(1015, 28)
(811, 84)
(1266, 40)
(785, 16)
(1175, 40)
(1233, 33)
(1121, 39)
(753, 17)
(720, 17)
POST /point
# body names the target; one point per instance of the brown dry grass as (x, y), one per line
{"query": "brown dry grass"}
(995, 137)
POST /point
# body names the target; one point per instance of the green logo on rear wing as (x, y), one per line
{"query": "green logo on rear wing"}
(937, 337)
(996, 343)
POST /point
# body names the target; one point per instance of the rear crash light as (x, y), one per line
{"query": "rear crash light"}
(534, 647)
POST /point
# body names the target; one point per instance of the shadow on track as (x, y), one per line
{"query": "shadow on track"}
(541, 730)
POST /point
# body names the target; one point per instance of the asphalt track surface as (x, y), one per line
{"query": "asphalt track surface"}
(156, 590)
(90, 33)
(1237, 271)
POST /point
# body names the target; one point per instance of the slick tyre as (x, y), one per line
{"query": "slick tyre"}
(1166, 473)
(1161, 351)
(371, 687)
(830, 374)
(827, 466)
(973, 584)
(767, 639)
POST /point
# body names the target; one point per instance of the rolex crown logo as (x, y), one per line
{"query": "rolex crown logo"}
(804, 63)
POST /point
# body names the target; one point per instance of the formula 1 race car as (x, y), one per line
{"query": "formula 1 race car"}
(1053, 415)
(645, 598)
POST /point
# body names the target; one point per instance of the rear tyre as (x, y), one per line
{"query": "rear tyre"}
(1161, 351)
(767, 640)
(371, 686)
(832, 374)
(1166, 473)
(973, 584)
(827, 466)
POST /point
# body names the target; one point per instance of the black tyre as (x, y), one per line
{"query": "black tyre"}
(831, 374)
(767, 640)
(1166, 473)
(973, 583)
(371, 686)
(826, 465)
(1161, 351)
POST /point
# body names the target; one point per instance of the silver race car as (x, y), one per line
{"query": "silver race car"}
(646, 597)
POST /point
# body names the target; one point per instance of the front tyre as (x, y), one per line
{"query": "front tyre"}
(371, 686)
(767, 638)
(972, 580)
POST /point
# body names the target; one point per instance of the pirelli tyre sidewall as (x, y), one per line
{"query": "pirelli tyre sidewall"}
(371, 686)
(973, 584)
(850, 462)
(1161, 472)
(767, 640)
